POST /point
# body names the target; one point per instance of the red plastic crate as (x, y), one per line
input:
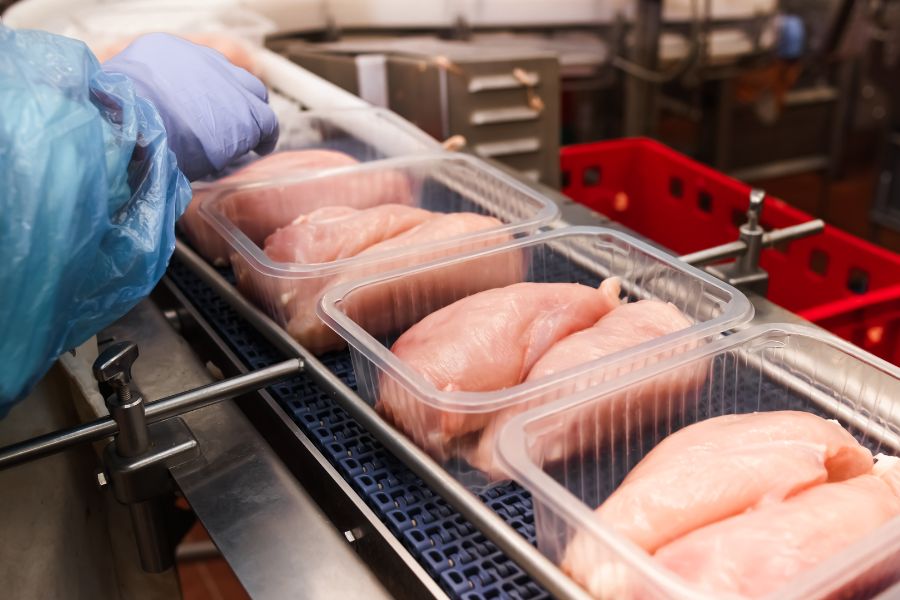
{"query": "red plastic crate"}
(843, 283)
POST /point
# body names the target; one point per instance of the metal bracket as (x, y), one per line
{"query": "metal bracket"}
(138, 460)
(146, 476)
(745, 273)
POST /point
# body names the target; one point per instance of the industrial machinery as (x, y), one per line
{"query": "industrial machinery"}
(298, 481)
(399, 518)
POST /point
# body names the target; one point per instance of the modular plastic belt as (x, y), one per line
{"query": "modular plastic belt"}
(452, 550)
(458, 556)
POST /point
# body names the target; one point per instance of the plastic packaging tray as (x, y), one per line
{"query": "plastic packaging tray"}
(366, 134)
(554, 450)
(444, 183)
(584, 255)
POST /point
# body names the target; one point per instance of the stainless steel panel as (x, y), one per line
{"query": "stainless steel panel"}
(273, 535)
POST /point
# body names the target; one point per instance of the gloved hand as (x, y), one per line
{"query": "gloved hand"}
(213, 111)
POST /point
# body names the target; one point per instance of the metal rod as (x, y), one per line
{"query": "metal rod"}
(150, 535)
(221, 390)
(793, 232)
(57, 441)
(708, 255)
(641, 96)
(737, 248)
(131, 422)
(195, 551)
(469, 506)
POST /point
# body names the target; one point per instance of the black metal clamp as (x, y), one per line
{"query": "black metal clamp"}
(137, 462)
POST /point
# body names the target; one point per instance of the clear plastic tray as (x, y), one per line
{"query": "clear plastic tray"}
(458, 427)
(365, 135)
(554, 451)
(445, 183)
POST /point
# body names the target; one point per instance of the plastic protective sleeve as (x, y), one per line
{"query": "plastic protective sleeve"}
(89, 196)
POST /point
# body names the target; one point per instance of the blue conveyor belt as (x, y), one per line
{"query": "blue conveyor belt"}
(458, 556)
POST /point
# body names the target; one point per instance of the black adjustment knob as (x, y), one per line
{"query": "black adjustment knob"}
(113, 366)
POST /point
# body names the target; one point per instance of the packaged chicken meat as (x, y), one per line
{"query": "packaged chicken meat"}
(485, 342)
(755, 553)
(444, 234)
(309, 141)
(758, 481)
(255, 206)
(624, 327)
(288, 241)
(457, 369)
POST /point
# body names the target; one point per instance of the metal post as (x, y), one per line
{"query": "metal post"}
(641, 95)
(752, 234)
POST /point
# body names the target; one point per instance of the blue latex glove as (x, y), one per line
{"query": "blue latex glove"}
(214, 112)
(89, 196)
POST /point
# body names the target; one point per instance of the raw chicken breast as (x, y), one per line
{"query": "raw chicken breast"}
(722, 466)
(281, 164)
(733, 462)
(757, 552)
(301, 300)
(488, 341)
(626, 326)
(441, 227)
(713, 470)
(336, 232)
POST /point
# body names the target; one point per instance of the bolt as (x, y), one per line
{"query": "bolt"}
(353, 535)
(113, 366)
(123, 390)
(101, 480)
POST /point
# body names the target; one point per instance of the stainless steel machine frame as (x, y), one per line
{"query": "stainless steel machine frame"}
(236, 460)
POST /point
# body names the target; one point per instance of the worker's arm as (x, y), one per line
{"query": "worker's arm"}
(89, 187)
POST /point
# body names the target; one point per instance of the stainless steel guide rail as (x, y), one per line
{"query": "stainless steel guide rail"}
(469, 506)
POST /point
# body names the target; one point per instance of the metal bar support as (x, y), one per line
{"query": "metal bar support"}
(57, 441)
(640, 95)
(738, 247)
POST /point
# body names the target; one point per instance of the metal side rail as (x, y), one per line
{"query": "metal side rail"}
(475, 547)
